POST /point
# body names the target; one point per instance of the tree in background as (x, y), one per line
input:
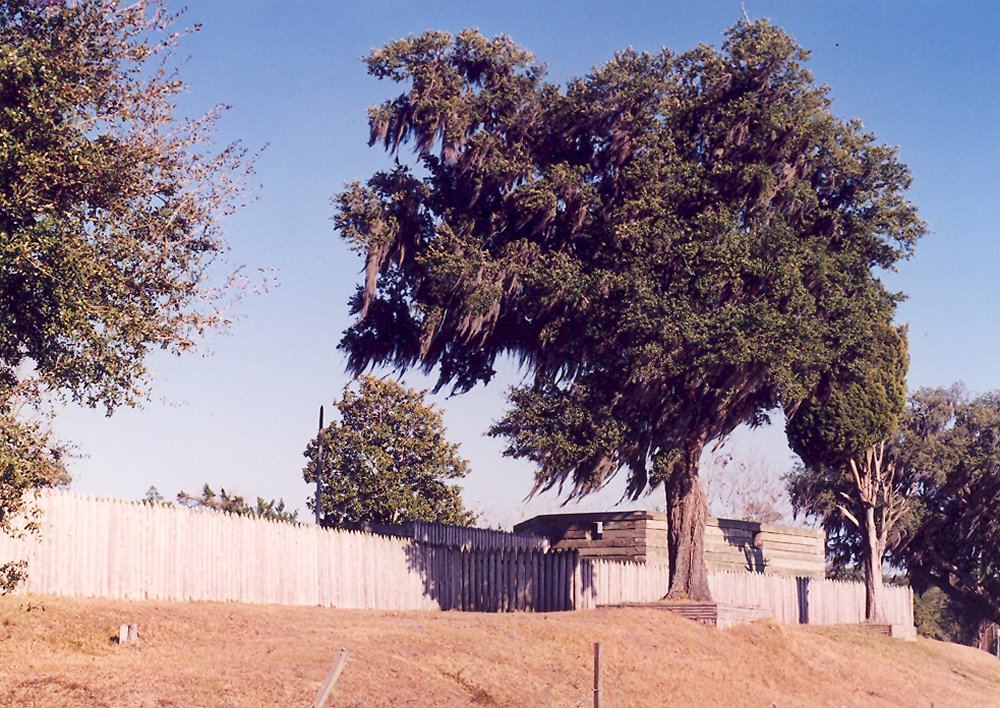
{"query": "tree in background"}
(849, 478)
(387, 461)
(953, 441)
(743, 489)
(109, 243)
(230, 503)
(672, 245)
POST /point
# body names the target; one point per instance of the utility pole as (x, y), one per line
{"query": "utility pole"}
(319, 460)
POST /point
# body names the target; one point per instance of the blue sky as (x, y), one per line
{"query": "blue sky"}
(921, 75)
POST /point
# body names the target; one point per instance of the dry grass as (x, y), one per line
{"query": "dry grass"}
(208, 654)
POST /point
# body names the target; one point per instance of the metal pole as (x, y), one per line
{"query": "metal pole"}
(319, 460)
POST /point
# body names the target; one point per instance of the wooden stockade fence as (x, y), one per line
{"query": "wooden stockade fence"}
(115, 548)
(808, 600)
(99, 547)
(609, 582)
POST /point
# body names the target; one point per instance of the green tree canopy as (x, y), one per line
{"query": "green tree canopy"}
(952, 440)
(849, 478)
(228, 502)
(109, 242)
(672, 245)
(387, 460)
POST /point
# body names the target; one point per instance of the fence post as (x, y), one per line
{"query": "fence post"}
(597, 675)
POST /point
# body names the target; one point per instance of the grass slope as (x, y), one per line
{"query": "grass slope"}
(59, 652)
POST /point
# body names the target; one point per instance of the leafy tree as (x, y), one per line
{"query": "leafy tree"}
(953, 440)
(849, 478)
(672, 246)
(387, 461)
(24, 464)
(230, 503)
(153, 496)
(109, 244)
(939, 617)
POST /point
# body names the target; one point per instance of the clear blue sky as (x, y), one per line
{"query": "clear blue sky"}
(921, 75)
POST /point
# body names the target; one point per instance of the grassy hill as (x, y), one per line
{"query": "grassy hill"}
(58, 651)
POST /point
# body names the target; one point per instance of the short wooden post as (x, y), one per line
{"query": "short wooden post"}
(331, 678)
(128, 634)
(597, 675)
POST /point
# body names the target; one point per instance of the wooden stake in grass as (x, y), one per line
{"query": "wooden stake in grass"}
(128, 634)
(597, 675)
(331, 678)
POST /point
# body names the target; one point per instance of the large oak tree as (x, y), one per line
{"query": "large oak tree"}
(672, 245)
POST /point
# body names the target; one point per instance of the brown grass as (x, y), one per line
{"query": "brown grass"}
(60, 652)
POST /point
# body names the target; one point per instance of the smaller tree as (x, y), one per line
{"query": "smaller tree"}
(387, 461)
(232, 503)
(848, 478)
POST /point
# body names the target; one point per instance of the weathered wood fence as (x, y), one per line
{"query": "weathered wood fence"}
(808, 600)
(98, 547)
(609, 582)
(123, 549)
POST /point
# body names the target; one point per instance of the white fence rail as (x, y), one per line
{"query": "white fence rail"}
(123, 549)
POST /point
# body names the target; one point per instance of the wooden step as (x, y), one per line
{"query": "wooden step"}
(703, 612)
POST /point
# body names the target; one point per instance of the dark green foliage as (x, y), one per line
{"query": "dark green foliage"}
(387, 461)
(672, 245)
(230, 503)
(937, 616)
(954, 544)
(108, 205)
(856, 408)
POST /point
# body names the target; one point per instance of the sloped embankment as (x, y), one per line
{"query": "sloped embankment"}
(57, 651)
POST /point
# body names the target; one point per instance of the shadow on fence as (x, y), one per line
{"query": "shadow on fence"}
(499, 580)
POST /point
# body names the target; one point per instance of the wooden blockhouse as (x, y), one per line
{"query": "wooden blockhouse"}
(641, 536)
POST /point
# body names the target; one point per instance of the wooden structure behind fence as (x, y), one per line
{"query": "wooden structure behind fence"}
(114, 548)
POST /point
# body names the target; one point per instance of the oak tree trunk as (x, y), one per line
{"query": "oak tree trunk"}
(874, 611)
(687, 511)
